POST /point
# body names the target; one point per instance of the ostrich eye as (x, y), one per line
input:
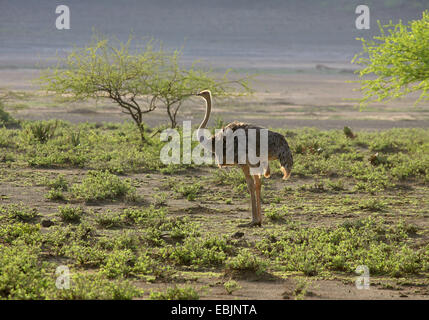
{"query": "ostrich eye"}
(202, 138)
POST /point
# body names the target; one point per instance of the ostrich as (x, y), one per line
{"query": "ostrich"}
(278, 148)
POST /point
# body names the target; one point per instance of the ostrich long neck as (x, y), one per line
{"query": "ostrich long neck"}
(208, 110)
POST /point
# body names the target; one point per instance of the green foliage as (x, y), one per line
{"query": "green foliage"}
(402, 154)
(274, 213)
(40, 131)
(399, 58)
(335, 185)
(22, 275)
(367, 241)
(135, 81)
(231, 286)
(74, 137)
(58, 183)
(123, 240)
(160, 199)
(372, 205)
(175, 84)
(99, 148)
(175, 293)
(109, 219)
(5, 118)
(199, 252)
(110, 249)
(122, 263)
(18, 212)
(84, 255)
(97, 287)
(70, 214)
(20, 232)
(301, 288)
(109, 69)
(58, 237)
(158, 226)
(57, 187)
(119, 264)
(145, 216)
(189, 191)
(7, 138)
(246, 261)
(102, 185)
(232, 177)
(55, 195)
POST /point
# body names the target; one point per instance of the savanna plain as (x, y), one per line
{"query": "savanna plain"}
(78, 189)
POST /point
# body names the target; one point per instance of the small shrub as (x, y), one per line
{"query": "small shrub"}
(5, 118)
(246, 261)
(273, 213)
(40, 131)
(84, 256)
(189, 191)
(70, 214)
(74, 137)
(119, 263)
(19, 212)
(19, 231)
(231, 286)
(160, 199)
(55, 195)
(58, 183)
(102, 185)
(22, 274)
(108, 219)
(200, 252)
(97, 287)
(349, 133)
(145, 216)
(301, 289)
(337, 185)
(175, 293)
(372, 205)
(57, 240)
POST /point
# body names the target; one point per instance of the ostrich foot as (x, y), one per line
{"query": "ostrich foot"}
(250, 224)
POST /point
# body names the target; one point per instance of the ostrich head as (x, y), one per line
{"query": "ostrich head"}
(206, 94)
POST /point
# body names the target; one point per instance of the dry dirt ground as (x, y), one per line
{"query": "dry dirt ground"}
(287, 101)
(291, 100)
(217, 216)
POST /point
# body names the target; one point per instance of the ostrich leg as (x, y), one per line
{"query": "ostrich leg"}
(251, 186)
(258, 181)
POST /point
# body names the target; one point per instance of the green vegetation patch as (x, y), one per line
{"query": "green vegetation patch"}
(102, 185)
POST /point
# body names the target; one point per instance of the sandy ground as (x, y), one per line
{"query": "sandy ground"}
(297, 98)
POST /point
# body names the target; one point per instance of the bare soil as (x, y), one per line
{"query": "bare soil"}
(292, 100)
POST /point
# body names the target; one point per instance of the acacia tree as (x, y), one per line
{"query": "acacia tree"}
(176, 84)
(399, 58)
(5, 118)
(106, 69)
(135, 81)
